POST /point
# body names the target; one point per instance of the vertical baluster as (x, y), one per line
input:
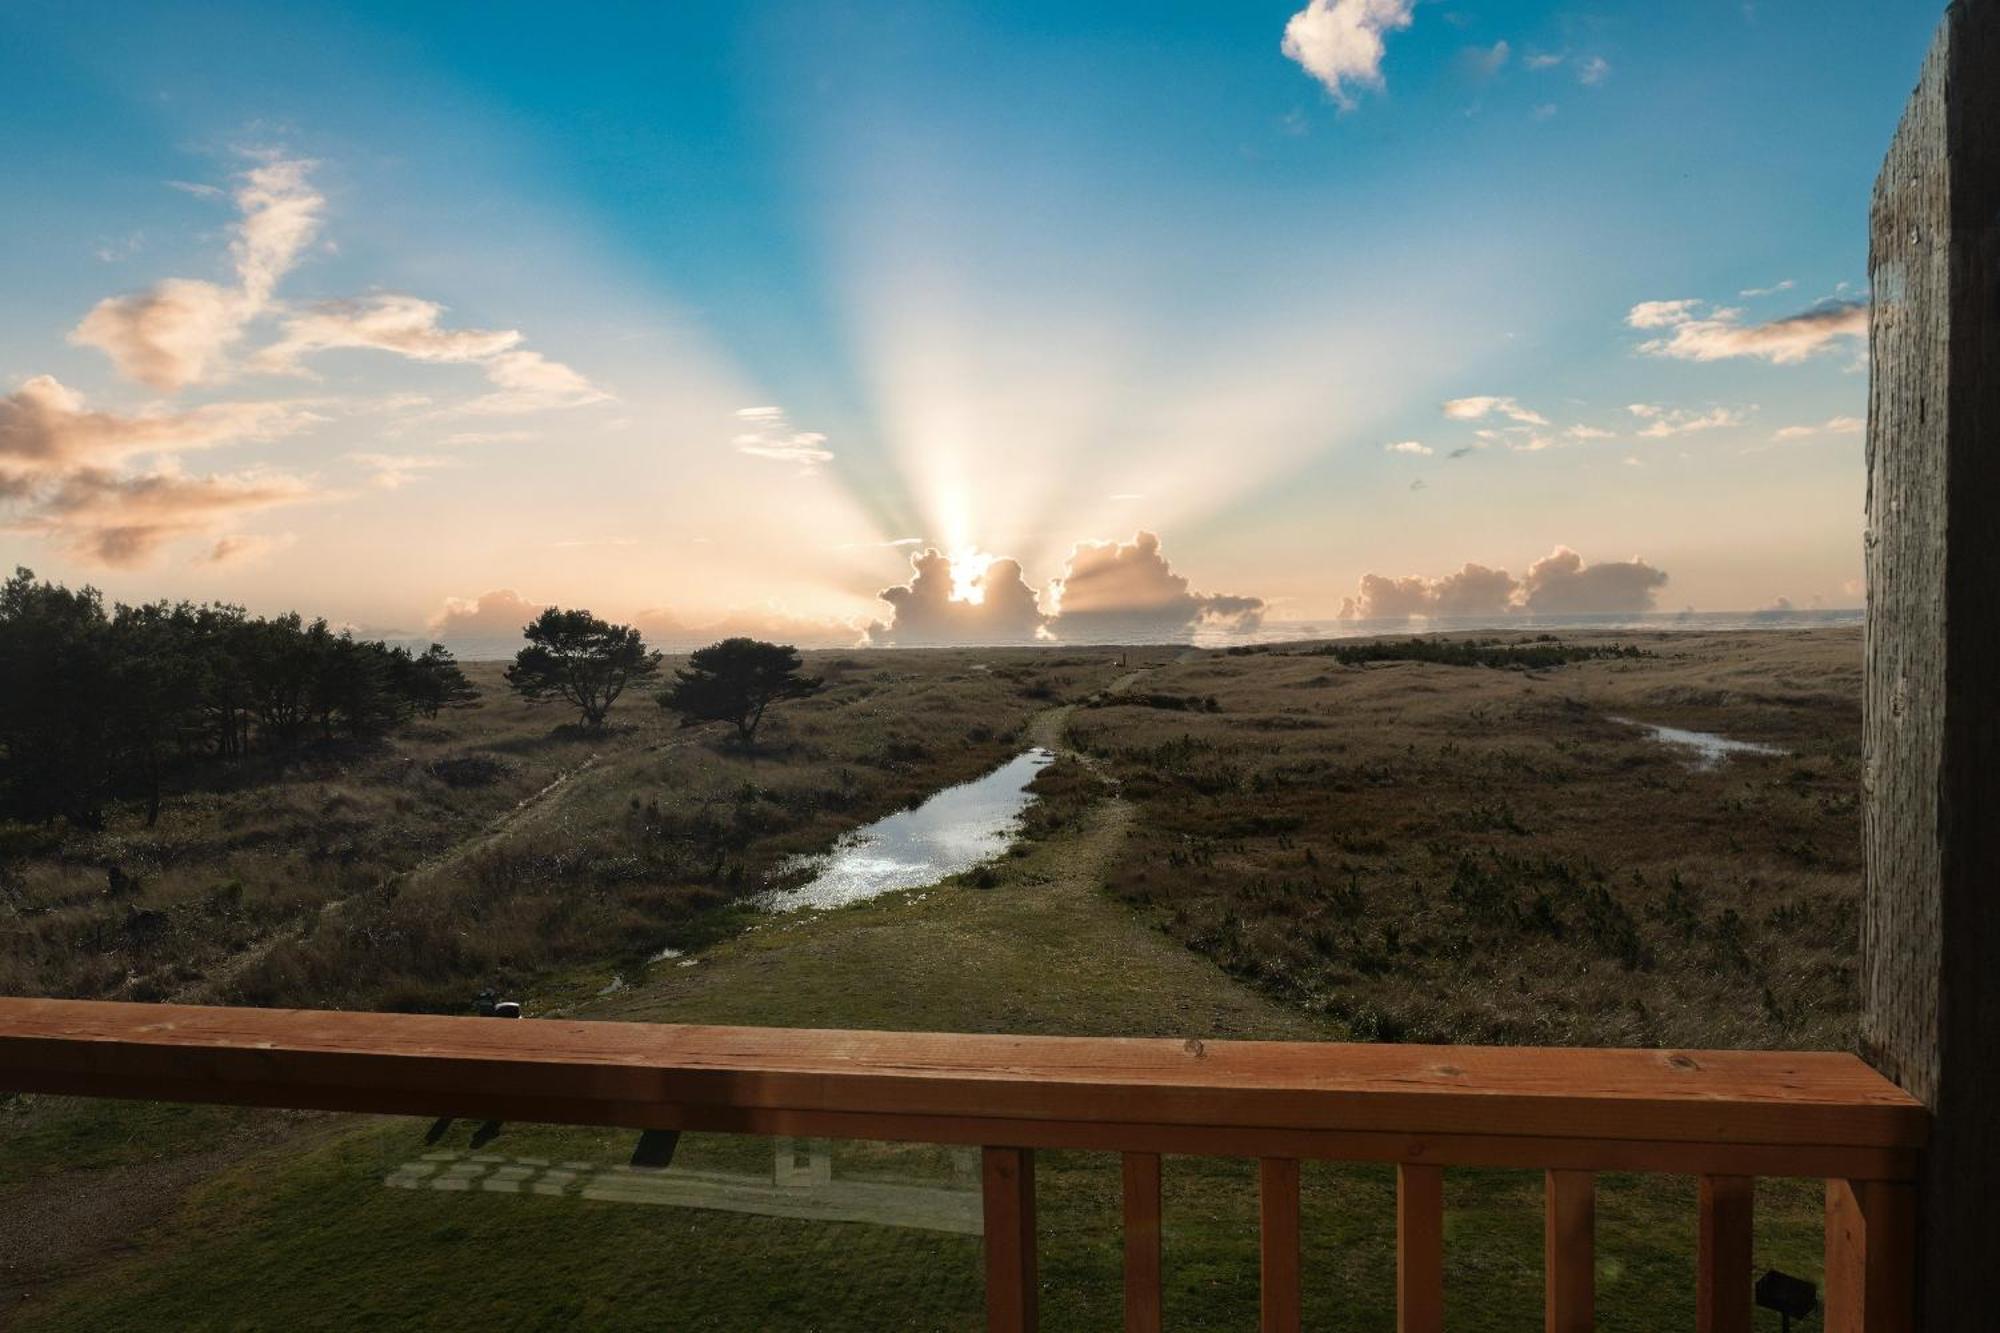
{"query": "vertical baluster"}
(1569, 1252)
(1011, 1291)
(1871, 1236)
(1722, 1291)
(1142, 1242)
(1419, 1248)
(1278, 1191)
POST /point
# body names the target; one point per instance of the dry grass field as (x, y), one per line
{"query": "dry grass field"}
(1432, 852)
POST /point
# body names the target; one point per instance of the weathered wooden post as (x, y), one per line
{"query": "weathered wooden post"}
(1930, 928)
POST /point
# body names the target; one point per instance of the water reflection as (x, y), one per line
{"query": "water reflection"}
(1709, 749)
(953, 831)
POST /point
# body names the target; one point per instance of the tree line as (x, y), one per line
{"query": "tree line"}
(100, 703)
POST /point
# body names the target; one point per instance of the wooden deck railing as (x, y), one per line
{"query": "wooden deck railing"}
(1725, 1116)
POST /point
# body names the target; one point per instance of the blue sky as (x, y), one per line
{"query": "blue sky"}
(777, 296)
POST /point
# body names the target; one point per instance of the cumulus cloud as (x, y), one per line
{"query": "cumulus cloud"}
(46, 427)
(1108, 592)
(1123, 590)
(1581, 432)
(1415, 447)
(995, 606)
(1339, 42)
(1479, 407)
(1483, 62)
(1831, 426)
(177, 332)
(1662, 422)
(123, 520)
(1558, 584)
(766, 432)
(1719, 333)
(1474, 591)
(1593, 71)
(57, 470)
(492, 621)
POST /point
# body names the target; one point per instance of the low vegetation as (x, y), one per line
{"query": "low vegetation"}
(1429, 854)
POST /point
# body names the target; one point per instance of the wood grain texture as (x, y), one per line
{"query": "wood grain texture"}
(1931, 772)
(1142, 1242)
(1013, 1287)
(1419, 1249)
(1279, 1250)
(664, 1076)
(1723, 1291)
(1569, 1252)
(1871, 1262)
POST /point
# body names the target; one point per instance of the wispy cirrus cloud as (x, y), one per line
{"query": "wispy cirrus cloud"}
(1831, 426)
(1480, 407)
(392, 472)
(1662, 422)
(1716, 333)
(1340, 42)
(766, 432)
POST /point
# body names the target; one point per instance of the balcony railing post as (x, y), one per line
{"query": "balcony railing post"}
(1278, 1197)
(1871, 1233)
(1142, 1242)
(1419, 1248)
(1012, 1288)
(1570, 1252)
(1723, 1289)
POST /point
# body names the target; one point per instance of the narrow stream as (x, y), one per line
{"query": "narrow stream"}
(953, 831)
(1709, 749)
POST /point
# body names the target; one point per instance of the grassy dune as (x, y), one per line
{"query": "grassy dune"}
(303, 1233)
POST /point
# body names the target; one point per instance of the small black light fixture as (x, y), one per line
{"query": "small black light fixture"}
(1792, 1297)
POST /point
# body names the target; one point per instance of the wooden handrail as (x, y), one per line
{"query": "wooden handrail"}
(1723, 1114)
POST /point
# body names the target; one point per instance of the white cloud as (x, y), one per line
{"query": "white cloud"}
(530, 382)
(1483, 62)
(1667, 421)
(177, 332)
(1721, 333)
(392, 472)
(1831, 426)
(1478, 408)
(1772, 290)
(1339, 42)
(1593, 71)
(1408, 447)
(768, 433)
(391, 322)
(1558, 584)
(1661, 314)
(1127, 590)
(1590, 433)
(1541, 60)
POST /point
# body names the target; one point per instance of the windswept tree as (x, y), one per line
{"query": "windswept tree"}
(735, 681)
(574, 656)
(436, 681)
